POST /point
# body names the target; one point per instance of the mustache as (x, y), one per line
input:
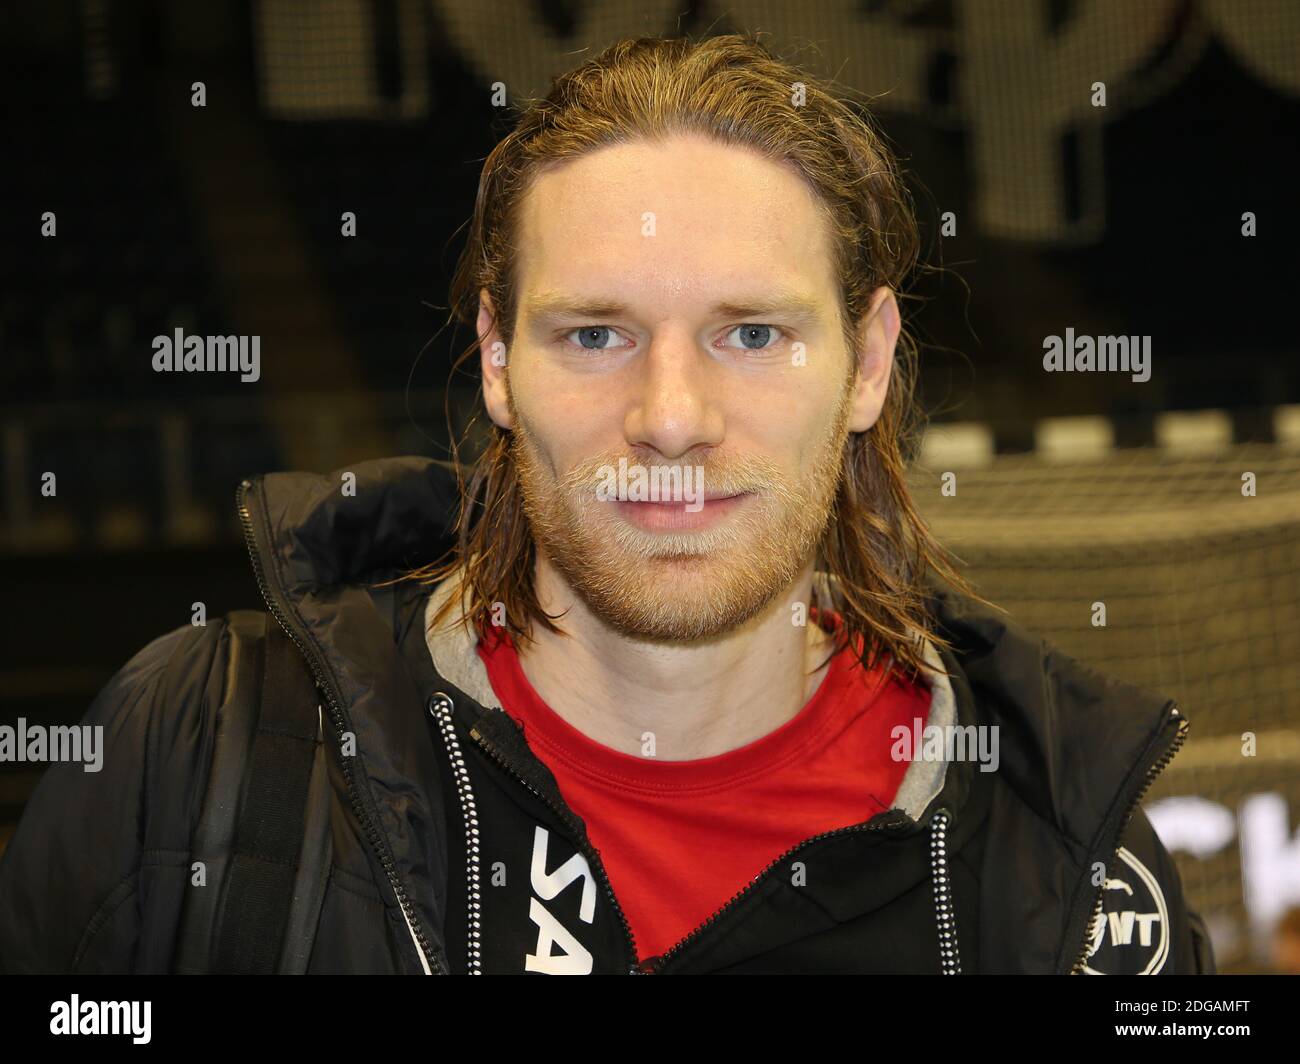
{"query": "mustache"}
(731, 478)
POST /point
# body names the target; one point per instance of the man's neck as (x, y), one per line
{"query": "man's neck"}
(698, 700)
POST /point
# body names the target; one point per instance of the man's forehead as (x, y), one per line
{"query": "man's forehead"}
(673, 220)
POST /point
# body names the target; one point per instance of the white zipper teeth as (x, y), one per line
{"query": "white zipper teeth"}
(949, 956)
(424, 961)
(442, 708)
(1093, 920)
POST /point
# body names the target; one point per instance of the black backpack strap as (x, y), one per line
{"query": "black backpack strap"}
(267, 855)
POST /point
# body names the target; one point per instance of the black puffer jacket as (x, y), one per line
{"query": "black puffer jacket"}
(442, 844)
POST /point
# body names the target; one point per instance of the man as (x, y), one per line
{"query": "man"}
(688, 694)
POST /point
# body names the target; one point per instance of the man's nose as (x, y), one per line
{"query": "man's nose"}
(678, 391)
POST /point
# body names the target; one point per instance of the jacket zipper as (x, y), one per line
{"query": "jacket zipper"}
(939, 822)
(1156, 767)
(325, 683)
(945, 911)
(440, 706)
(593, 858)
(880, 822)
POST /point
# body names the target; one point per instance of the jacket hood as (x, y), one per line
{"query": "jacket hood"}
(1074, 744)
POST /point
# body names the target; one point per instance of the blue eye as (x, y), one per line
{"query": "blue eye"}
(593, 337)
(755, 337)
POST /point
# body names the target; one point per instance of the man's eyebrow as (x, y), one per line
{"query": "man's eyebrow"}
(558, 306)
(787, 304)
(780, 303)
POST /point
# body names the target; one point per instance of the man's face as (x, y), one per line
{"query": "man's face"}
(678, 307)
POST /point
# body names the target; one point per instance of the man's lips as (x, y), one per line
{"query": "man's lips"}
(675, 516)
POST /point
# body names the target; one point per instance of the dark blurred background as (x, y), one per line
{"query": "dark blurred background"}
(1169, 212)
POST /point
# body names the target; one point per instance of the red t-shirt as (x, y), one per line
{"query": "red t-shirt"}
(679, 839)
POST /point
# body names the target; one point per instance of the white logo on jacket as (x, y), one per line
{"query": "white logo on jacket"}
(574, 958)
(1133, 932)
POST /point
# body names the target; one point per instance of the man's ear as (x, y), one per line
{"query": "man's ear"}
(492, 357)
(877, 337)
